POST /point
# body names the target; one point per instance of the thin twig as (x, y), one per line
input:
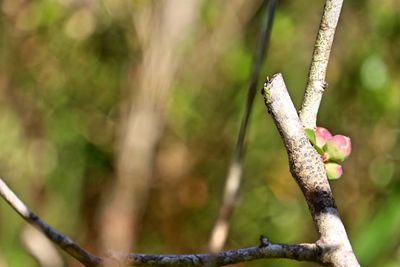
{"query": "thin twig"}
(266, 250)
(319, 63)
(234, 176)
(300, 252)
(63, 241)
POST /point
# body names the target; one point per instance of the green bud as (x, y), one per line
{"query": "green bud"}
(333, 170)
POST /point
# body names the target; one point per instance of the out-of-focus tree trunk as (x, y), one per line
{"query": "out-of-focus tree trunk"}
(161, 26)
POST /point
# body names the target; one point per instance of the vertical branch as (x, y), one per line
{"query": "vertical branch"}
(305, 164)
(319, 63)
(308, 170)
(234, 176)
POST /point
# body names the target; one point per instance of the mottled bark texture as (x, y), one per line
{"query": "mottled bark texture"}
(319, 63)
(308, 170)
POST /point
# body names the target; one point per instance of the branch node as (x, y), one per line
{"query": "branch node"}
(264, 242)
(319, 86)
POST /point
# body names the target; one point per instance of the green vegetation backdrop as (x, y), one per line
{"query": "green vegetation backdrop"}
(71, 70)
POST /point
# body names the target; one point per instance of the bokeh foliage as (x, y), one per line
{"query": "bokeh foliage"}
(65, 67)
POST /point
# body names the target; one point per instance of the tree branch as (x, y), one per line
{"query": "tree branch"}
(219, 233)
(308, 170)
(319, 63)
(266, 250)
(300, 252)
(63, 241)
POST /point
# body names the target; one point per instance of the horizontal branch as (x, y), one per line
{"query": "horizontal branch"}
(266, 250)
(300, 252)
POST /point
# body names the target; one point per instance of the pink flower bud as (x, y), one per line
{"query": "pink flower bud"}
(322, 136)
(338, 148)
(333, 170)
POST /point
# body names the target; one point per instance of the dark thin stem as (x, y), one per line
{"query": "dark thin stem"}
(63, 241)
(260, 54)
(299, 252)
(234, 176)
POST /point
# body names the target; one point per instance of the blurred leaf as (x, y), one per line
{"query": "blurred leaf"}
(379, 233)
(373, 73)
(310, 135)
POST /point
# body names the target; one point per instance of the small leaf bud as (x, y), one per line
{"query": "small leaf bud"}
(333, 170)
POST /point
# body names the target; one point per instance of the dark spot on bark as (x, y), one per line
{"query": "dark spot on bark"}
(321, 200)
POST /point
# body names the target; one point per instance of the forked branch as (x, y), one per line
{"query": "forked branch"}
(332, 248)
(308, 170)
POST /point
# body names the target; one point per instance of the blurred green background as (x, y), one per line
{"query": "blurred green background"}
(74, 73)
